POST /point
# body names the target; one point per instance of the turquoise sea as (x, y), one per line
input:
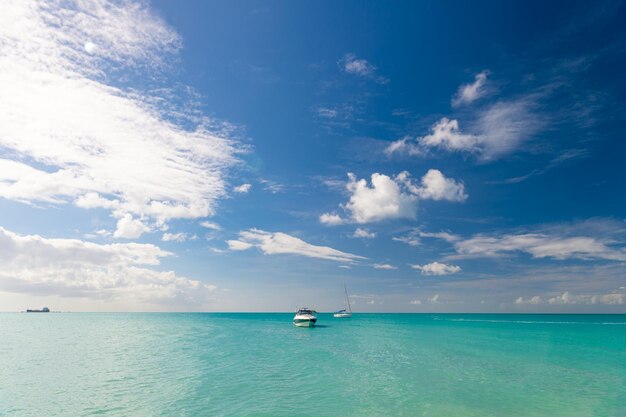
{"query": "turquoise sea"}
(444, 365)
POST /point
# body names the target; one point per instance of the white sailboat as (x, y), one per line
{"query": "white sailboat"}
(344, 314)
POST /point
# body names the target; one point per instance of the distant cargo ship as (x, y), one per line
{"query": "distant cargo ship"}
(43, 310)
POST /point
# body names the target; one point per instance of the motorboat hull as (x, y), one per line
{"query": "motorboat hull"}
(304, 322)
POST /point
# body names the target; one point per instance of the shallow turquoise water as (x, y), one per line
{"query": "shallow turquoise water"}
(261, 365)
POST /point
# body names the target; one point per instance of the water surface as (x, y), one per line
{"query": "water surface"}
(396, 365)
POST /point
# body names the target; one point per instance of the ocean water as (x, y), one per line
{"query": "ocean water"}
(396, 365)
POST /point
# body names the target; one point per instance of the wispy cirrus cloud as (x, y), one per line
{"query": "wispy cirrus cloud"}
(275, 243)
(36, 265)
(468, 93)
(354, 65)
(388, 267)
(594, 239)
(71, 133)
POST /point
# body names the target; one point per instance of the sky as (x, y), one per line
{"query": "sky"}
(256, 156)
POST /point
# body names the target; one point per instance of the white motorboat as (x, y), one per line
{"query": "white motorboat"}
(305, 317)
(344, 314)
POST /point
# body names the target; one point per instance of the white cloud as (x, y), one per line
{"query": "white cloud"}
(436, 268)
(74, 138)
(327, 113)
(533, 300)
(448, 237)
(447, 135)
(413, 237)
(570, 298)
(272, 186)
(504, 126)
(217, 250)
(416, 302)
(363, 234)
(238, 245)
(611, 299)
(282, 243)
(393, 197)
(435, 186)
(351, 64)
(434, 299)
(410, 240)
(331, 219)
(174, 237)
(243, 188)
(384, 199)
(129, 228)
(73, 268)
(540, 245)
(210, 225)
(495, 131)
(469, 93)
(406, 145)
(384, 266)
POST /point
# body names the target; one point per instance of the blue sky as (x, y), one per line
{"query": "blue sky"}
(254, 156)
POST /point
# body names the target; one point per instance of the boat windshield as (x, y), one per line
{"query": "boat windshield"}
(306, 311)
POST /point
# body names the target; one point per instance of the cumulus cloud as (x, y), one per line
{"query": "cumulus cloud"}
(570, 298)
(434, 186)
(469, 93)
(70, 131)
(243, 188)
(533, 300)
(351, 64)
(447, 135)
(36, 265)
(282, 243)
(384, 199)
(436, 268)
(129, 228)
(363, 234)
(393, 197)
(384, 266)
(494, 132)
(331, 219)
(174, 237)
(416, 302)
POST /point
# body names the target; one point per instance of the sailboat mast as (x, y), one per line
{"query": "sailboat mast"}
(347, 298)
